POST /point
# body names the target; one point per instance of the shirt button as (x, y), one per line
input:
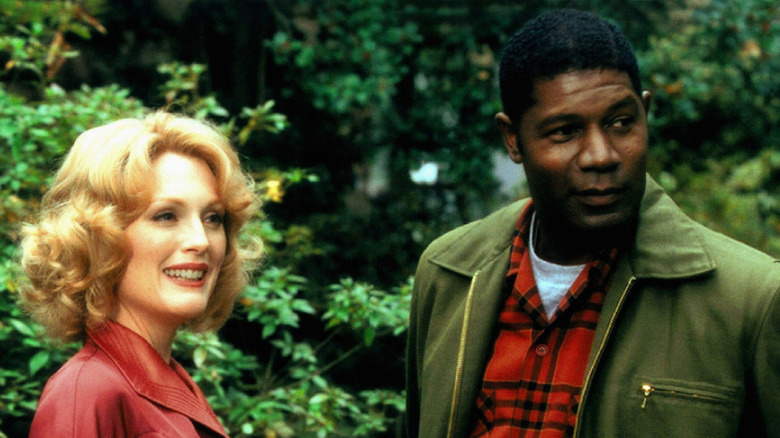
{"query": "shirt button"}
(542, 350)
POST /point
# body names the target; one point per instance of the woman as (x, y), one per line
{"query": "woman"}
(137, 237)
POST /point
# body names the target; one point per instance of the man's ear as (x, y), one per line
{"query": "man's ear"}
(509, 134)
(647, 96)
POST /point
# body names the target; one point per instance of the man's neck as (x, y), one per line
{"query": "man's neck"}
(574, 248)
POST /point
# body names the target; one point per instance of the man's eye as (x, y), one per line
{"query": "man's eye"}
(563, 133)
(622, 122)
(164, 217)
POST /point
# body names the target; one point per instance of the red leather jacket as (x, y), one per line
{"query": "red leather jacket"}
(118, 386)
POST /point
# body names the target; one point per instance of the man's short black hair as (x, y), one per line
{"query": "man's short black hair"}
(556, 42)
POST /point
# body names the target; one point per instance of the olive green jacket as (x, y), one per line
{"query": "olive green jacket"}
(687, 345)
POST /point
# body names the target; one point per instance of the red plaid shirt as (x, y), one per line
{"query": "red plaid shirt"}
(533, 380)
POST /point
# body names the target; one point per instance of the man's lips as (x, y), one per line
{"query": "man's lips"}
(598, 197)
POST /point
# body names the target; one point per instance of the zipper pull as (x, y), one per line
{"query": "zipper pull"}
(647, 389)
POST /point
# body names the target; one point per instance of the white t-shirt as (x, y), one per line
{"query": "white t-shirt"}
(552, 280)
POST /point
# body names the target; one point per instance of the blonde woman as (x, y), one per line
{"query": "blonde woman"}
(136, 239)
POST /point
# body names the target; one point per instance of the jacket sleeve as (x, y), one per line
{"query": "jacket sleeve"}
(767, 361)
(412, 414)
(419, 321)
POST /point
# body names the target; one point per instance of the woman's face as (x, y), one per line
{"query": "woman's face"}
(178, 245)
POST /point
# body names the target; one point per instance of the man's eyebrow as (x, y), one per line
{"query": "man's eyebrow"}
(555, 119)
(628, 101)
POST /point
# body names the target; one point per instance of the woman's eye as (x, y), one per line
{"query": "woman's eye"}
(215, 218)
(164, 217)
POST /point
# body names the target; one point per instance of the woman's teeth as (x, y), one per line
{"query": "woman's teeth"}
(186, 274)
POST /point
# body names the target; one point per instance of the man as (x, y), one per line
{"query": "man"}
(596, 308)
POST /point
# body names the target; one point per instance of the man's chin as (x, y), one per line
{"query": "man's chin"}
(607, 225)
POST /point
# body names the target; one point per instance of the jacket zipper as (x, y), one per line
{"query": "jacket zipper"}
(649, 389)
(600, 351)
(461, 355)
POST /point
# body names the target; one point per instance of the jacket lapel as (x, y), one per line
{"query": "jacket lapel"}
(167, 385)
(668, 243)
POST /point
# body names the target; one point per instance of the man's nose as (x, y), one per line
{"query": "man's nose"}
(598, 153)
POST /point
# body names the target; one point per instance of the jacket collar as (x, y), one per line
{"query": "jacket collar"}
(668, 244)
(166, 385)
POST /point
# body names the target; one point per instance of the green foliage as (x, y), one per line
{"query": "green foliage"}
(719, 68)
(272, 301)
(295, 397)
(715, 119)
(389, 94)
(366, 44)
(735, 197)
(33, 35)
(33, 134)
(365, 309)
(181, 90)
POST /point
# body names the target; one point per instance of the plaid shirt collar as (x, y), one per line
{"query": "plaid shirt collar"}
(597, 269)
(532, 382)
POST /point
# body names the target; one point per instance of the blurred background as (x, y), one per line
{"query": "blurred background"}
(368, 125)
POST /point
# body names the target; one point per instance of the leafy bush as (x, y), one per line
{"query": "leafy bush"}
(294, 396)
(716, 116)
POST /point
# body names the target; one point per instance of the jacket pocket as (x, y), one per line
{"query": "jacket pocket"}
(683, 408)
(685, 391)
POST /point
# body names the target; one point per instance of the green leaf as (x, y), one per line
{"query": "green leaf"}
(368, 336)
(38, 361)
(22, 328)
(268, 330)
(199, 356)
(318, 399)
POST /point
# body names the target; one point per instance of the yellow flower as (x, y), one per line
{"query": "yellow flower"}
(274, 190)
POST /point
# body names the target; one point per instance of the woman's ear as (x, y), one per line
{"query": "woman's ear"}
(509, 134)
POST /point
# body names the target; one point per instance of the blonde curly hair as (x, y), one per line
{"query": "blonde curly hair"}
(77, 252)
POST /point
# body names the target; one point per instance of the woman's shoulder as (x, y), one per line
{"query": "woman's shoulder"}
(91, 396)
(88, 385)
(90, 372)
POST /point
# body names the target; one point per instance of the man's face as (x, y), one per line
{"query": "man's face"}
(583, 145)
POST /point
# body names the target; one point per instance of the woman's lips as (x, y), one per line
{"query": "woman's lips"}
(187, 274)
